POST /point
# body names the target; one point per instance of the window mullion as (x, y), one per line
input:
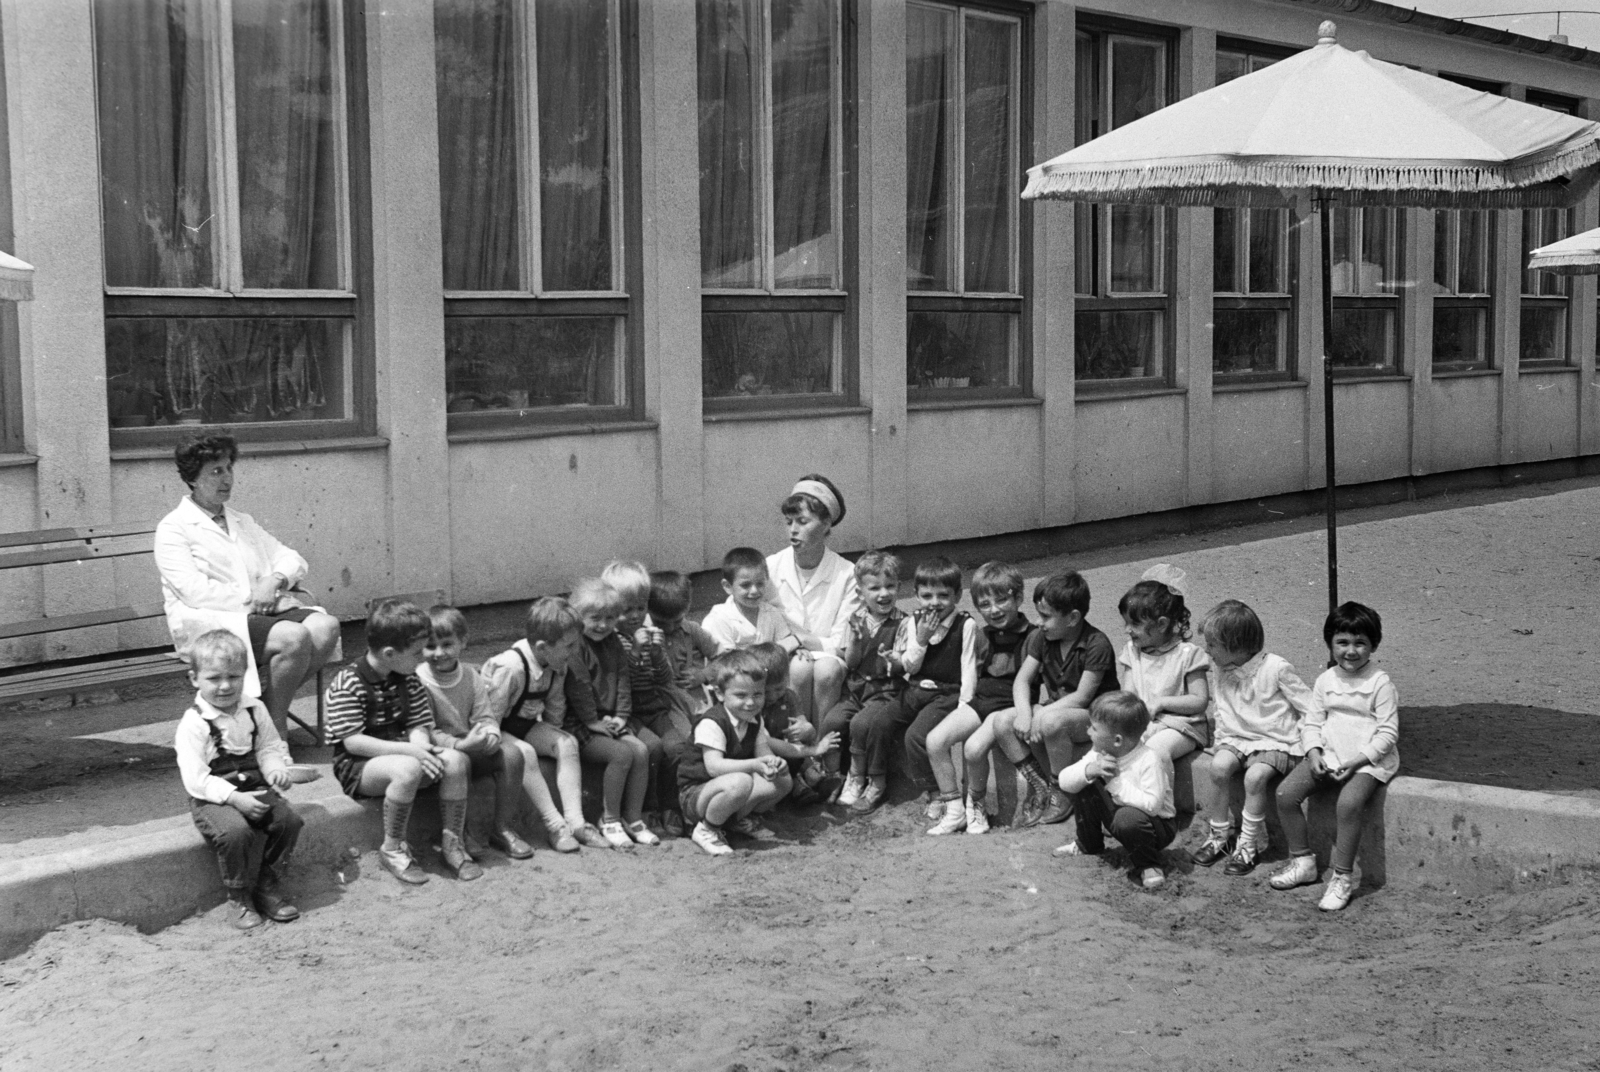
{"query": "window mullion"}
(762, 191)
(614, 165)
(958, 150)
(226, 154)
(528, 131)
(341, 142)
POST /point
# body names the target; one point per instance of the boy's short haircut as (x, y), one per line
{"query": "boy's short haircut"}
(397, 624)
(997, 579)
(938, 571)
(594, 596)
(879, 564)
(671, 594)
(551, 619)
(1122, 712)
(630, 579)
(1234, 626)
(1148, 600)
(742, 558)
(1354, 618)
(731, 664)
(217, 646)
(773, 659)
(447, 621)
(1063, 593)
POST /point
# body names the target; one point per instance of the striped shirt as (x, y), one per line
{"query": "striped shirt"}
(649, 674)
(362, 699)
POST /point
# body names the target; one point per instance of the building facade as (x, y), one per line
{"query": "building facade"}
(492, 291)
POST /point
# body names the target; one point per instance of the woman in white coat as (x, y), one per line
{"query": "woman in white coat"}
(815, 589)
(221, 570)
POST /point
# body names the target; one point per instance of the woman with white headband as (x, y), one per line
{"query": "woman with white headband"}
(816, 591)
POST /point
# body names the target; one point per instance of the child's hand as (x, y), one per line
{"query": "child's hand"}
(803, 653)
(645, 636)
(250, 805)
(771, 766)
(890, 659)
(1023, 726)
(1104, 768)
(829, 743)
(280, 779)
(1314, 757)
(615, 725)
(1344, 771)
(798, 731)
(428, 756)
(927, 625)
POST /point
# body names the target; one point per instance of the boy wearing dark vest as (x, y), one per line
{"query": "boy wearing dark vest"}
(870, 680)
(939, 650)
(234, 765)
(730, 772)
(528, 686)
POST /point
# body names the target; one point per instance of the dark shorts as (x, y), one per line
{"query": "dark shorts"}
(347, 769)
(688, 797)
(993, 694)
(1282, 762)
(260, 625)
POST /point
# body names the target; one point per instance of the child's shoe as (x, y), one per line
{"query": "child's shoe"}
(274, 905)
(612, 831)
(1057, 808)
(870, 798)
(1214, 849)
(953, 818)
(457, 859)
(1152, 878)
(652, 819)
(1071, 848)
(802, 795)
(977, 818)
(561, 838)
(641, 834)
(1300, 871)
(672, 823)
(1341, 887)
(709, 838)
(242, 914)
(751, 827)
(400, 863)
(589, 836)
(932, 806)
(1244, 858)
(854, 786)
(1030, 807)
(507, 842)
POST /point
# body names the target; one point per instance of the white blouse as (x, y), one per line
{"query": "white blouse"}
(819, 608)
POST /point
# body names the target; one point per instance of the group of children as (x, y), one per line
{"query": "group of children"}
(698, 733)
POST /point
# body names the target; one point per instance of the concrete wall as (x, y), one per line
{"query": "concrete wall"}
(523, 511)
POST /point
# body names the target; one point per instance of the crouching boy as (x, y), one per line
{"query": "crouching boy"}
(1123, 786)
(234, 765)
(730, 773)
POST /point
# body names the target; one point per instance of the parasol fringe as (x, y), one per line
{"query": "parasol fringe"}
(1235, 180)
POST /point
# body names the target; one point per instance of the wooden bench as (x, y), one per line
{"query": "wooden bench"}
(45, 547)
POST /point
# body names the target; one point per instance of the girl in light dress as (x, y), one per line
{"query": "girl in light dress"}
(1160, 666)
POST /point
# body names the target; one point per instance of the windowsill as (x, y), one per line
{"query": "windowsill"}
(728, 416)
(1229, 387)
(1465, 374)
(547, 431)
(258, 450)
(1529, 370)
(1369, 377)
(993, 402)
(1125, 393)
(18, 461)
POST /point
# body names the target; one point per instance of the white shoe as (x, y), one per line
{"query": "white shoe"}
(1152, 878)
(1300, 871)
(854, 785)
(977, 818)
(709, 838)
(934, 809)
(616, 834)
(1337, 895)
(953, 819)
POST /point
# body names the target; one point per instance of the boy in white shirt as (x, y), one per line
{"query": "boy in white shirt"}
(747, 619)
(234, 766)
(1123, 786)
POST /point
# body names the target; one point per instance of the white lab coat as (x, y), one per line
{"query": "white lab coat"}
(819, 612)
(207, 575)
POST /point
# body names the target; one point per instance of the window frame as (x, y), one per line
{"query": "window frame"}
(841, 301)
(622, 304)
(1377, 300)
(1562, 299)
(1104, 30)
(11, 439)
(1455, 298)
(234, 301)
(1016, 303)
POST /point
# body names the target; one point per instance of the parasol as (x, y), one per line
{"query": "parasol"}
(1578, 255)
(1329, 123)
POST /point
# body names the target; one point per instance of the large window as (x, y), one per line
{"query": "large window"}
(231, 296)
(963, 171)
(1252, 305)
(530, 144)
(1545, 295)
(1120, 262)
(773, 298)
(1463, 242)
(1365, 290)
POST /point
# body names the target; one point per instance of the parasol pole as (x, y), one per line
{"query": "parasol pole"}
(1324, 209)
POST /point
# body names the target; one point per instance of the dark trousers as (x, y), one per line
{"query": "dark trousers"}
(1142, 834)
(250, 853)
(840, 719)
(927, 708)
(1350, 813)
(666, 744)
(871, 730)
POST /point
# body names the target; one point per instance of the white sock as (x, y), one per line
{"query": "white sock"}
(1254, 830)
(1221, 829)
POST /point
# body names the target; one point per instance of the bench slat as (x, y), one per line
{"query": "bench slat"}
(18, 559)
(93, 532)
(60, 623)
(63, 679)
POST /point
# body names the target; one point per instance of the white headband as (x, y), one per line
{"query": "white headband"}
(1169, 575)
(822, 493)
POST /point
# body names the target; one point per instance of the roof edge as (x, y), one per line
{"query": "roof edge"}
(1449, 27)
